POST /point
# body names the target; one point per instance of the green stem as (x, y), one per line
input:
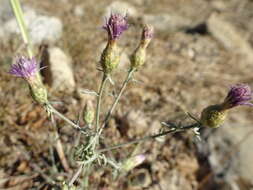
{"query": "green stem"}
(100, 93)
(53, 110)
(149, 137)
(116, 101)
(20, 20)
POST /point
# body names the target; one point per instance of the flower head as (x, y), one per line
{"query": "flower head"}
(116, 25)
(27, 68)
(138, 57)
(239, 94)
(24, 67)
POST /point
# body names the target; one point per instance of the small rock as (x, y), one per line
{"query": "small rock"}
(45, 28)
(229, 36)
(230, 153)
(38, 27)
(11, 26)
(59, 73)
(121, 7)
(167, 22)
(136, 123)
(78, 11)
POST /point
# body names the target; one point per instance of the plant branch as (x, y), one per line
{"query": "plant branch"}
(100, 93)
(129, 76)
(53, 110)
(59, 147)
(173, 130)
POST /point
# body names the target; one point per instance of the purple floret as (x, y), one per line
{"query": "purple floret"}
(24, 67)
(116, 25)
(239, 94)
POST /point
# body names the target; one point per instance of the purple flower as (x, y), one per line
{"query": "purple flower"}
(115, 25)
(239, 94)
(24, 67)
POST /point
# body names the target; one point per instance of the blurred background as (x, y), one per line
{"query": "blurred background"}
(200, 49)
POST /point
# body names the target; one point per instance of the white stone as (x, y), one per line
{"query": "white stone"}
(61, 70)
(79, 11)
(229, 36)
(230, 148)
(45, 28)
(41, 28)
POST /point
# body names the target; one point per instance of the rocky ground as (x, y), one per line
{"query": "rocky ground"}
(200, 49)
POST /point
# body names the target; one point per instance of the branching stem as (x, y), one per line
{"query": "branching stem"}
(116, 101)
(173, 130)
(53, 110)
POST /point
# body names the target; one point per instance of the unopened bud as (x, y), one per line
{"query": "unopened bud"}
(138, 58)
(213, 116)
(88, 113)
(110, 57)
(132, 162)
(39, 92)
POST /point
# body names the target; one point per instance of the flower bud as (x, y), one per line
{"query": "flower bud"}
(115, 26)
(138, 58)
(133, 162)
(39, 92)
(88, 113)
(239, 94)
(110, 57)
(28, 69)
(213, 116)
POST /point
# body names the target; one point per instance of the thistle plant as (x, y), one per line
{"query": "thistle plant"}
(214, 116)
(88, 152)
(28, 69)
(110, 57)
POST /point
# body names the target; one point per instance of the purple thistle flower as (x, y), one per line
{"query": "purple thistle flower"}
(115, 25)
(24, 67)
(239, 94)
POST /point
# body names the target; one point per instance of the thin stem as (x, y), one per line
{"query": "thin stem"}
(53, 110)
(86, 177)
(77, 173)
(116, 101)
(174, 130)
(20, 20)
(100, 93)
(59, 147)
(75, 176)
